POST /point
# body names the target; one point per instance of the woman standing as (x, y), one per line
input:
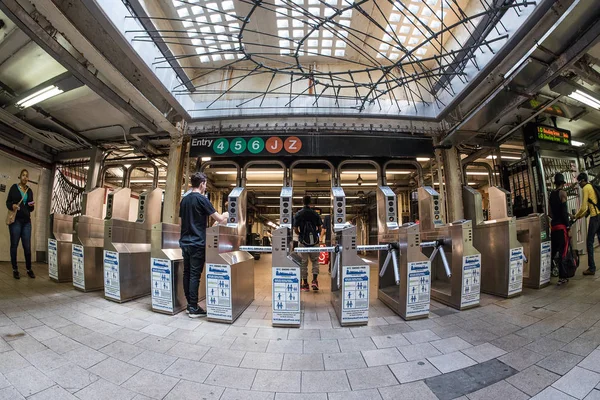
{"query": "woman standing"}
(20, 198)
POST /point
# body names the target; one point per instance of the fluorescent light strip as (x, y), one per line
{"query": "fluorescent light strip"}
(39, 92)
(41, 97)
(480, 173)
(234, 172)
(504, 157)
(206, 159)
(423, 159)
(585, 99)
(577, 143)
(470, 183)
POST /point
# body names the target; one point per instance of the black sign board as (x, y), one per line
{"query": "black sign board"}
(311, 146)
(548, 134)
(592, 160)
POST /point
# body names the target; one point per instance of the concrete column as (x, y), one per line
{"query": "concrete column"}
(93, 175)
(177, 151)
(453, 181)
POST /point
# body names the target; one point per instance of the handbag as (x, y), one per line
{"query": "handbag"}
(12, 214)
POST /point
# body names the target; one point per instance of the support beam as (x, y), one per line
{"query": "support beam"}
(95, 168)
(177, 151)
(452, 176)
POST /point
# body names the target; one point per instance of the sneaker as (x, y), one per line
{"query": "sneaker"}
(562, 281)
(16, 274)
(315, 285)
(304, 287)
(196, 312)
(30, 274)
(588, 272)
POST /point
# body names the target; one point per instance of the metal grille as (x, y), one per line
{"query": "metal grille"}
(68, 188)
(521, 188)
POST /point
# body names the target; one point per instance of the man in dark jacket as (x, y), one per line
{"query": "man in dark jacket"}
(307, 224)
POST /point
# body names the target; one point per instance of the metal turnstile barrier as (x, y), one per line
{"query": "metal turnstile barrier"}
(166, 270)
(285, 275)
(496, 239)
(455, 278)
(60, 265)
(532, 232)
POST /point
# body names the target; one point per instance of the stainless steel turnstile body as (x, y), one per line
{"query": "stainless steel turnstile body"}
(60, 266)
(459, 286)
(88, 243)
(229, 273)
(285, 275)
(532, 232)
(166, 270)
(127, 250)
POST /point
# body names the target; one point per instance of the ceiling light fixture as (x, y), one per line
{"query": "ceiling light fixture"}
(423, 159)
(586, 99)
(52, 87)
(204, 159)
(39, 96)
(504, 157)
(577, 143)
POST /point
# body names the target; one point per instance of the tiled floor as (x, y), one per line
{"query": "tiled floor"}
(58, 343)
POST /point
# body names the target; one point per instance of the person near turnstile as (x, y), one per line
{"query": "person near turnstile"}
(589, 206)
(20, 199)
(225, 213)
(326, 234)
(194, 210)
(559, 213)
(307, 224)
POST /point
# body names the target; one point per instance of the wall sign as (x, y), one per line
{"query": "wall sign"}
(312, 146)
(543, 133)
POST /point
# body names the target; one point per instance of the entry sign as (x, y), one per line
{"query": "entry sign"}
(162, 284)
(112, 283)
(515, 280)
(218, 292)
(355, 294)
(78, 262)
(471, 284)
(52, 259)
(286, 296)
(419, 283)
(546, 263)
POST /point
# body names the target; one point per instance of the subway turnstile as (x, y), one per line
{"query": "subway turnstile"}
(166, 270)
(127, 250)
(496, 239)
(532, 232)
(88, 240)
(455, 279)
(286, 281)
(60, 265)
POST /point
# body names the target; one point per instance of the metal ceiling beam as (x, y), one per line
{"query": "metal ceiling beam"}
(12, 44)
(26, 23)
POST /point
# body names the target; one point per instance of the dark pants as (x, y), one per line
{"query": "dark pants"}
(559, 245)
(593, 231)
(193, 264)
(20, 230)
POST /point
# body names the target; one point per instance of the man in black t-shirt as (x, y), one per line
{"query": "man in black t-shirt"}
(194, 211)
(307, 224)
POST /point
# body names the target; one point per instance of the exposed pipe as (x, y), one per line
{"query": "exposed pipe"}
(238, 178)
(369, 162)
(413, 163)
(334, 179)
(264, 162)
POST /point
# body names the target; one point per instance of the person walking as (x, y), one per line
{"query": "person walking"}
(194, 210)
(307, 225)
(559, 214)
(589, 206)
(20, 199)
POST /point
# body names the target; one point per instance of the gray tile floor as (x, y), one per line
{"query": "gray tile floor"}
(58, 343)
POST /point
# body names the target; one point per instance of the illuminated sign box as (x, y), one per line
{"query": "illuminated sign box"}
(548, 134)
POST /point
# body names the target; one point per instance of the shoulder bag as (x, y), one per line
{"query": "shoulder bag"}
(12, 214)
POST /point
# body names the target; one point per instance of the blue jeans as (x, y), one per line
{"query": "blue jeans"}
(593, 231)
(20, 230)
(193, 264)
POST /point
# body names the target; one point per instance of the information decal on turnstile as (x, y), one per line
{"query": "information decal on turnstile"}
(471, 283)
(286, 295)
(162, 289)
(545, 263)
(417, 294)
(355, 300)
(52, 259)
(112, 284)
(77, 259)
(218, 292)
(515, 280)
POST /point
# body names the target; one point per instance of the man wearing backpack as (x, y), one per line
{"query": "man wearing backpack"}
(589, 203)
(307, 225)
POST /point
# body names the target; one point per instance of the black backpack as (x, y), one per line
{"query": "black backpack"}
(309, 234)
(597, 191)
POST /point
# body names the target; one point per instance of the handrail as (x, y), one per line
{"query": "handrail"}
(414, 163)
(488, 168)
(369, 162)
(238, 177)
(135, 164)
(334, 179)
(264, 162)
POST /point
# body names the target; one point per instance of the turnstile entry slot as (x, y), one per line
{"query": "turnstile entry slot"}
(496, 239)
(60, 264)
(456, 274)
(88, 242)
(532, 232)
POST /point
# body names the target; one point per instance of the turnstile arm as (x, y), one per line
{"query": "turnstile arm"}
(437, 245)
(393, 256)
(257, 249)
(525, 260)
(445, 262)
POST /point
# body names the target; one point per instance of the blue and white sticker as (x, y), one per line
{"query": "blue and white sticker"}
(162, 284)
(515, 278)
(77, 258)
(286, 295)
(471, 283)
(112, 282)
(355, 294)
(545, 262)
(52, 258)
(218, 292)
(418, 290)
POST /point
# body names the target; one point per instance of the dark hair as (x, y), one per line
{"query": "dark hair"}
(306, 200)
(23, 170)
(197, 179)
(559, 179)
(582, 177)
